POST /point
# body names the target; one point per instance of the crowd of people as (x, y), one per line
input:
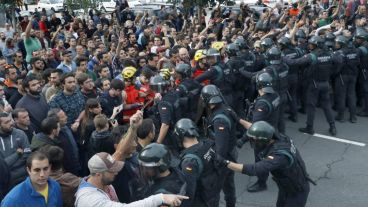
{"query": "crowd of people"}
(150, 109)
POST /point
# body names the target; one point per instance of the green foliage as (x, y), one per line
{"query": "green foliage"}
(81, 4)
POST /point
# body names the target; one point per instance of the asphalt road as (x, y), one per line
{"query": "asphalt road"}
(339, 169)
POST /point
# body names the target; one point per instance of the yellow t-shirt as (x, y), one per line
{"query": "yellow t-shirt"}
(45, 192)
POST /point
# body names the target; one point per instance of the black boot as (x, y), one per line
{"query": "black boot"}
(293, 118)
(363, 113)
(353, 118)
(307, 130)
(257, 187)
(332, 129)
(340, 117)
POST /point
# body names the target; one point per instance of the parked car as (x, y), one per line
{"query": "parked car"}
(106, 5)
(53, 5)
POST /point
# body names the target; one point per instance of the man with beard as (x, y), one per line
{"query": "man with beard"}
(10, 81)
(14, 148)
(86, 86)
(54, 84)
(22, 122)
(70, 100)
(31, 42)
(33, 101)
(37, 66)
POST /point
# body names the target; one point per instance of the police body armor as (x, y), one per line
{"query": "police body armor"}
(364, 63)
(320, 69)
(205, 156)
(235, 63)
(272, 100)
(189, 97)
(280, 75)
(351, 61)
(249, 65)
(292, 53)
(294, 177)
(223, 112)
(224, 79)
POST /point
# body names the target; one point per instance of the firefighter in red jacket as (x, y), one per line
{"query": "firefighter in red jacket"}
(201, 65)
(131, 99)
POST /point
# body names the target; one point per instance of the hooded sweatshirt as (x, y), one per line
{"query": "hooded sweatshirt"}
(101, 142)
(9, 143)
(41, 139)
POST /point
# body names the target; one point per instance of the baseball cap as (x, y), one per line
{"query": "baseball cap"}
(66, 52)
(102, 162)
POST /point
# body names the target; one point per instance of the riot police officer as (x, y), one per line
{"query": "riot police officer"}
(330, 41)
(291, 52)
(235, 63)
(158, 167)
(301, 40)
(266, 108)
(218, 74)
(266, 44)
(198, 163)
(360, 41)
(188, 89)
(346, 78)
(279, 72)
(221, 126)
(282, 159)
(167, 111)
(320, 64)
(251, 64)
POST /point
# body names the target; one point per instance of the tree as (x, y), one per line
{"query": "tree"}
(73, 5)
(9, 7)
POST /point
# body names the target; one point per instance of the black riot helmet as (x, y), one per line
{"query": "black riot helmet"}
(184, 70)
(264, 81)
(212, 52)
(241, 44)
(210, 94)
(158, 84)
(361, 34)
(284, 42)
(186, 128)
(232, 50)
(267, 43)
(342, 40)
(315, 40)
(260, 133)
(273, 56)
(300, 34)
(155, 156)
(329, 39)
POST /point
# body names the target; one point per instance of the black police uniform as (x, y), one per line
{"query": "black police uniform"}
(320, 64)
(345, 81)
(266, 108)
(169, 112)
(250, 65)
(222, 130)
(189, 92)
(235, 63)
(280, 74)
(293, 80)
(363, 76)
(283, 160)
(217, 74)
(198, 165)
(175, 183)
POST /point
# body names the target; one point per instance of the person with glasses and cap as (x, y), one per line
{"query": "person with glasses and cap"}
(282, 159)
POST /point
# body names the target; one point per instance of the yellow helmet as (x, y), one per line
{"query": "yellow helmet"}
(218, 45)
(128, 72)
(200, 54)
(165, 73)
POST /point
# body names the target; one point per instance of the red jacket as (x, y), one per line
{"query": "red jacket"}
(132, 97)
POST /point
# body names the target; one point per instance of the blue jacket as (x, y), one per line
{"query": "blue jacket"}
(25, 195)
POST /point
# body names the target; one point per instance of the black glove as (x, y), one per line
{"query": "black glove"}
(221, 162)
(240, 142)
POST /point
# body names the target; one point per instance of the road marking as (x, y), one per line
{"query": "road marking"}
(339, 140)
